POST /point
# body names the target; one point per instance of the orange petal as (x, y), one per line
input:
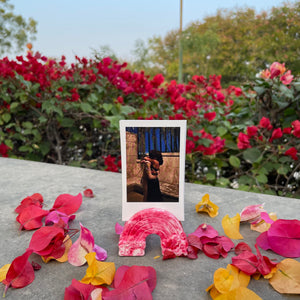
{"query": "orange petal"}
(287, 278)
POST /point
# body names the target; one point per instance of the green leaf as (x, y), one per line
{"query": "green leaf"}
(210, 176)
(13, 106)
(27, 125)
(251, 155)
(107, 107)
(282, 170)
(245, 179)
(44, 148)
(42, 119)
(262, 178)
(222, 181)
(9, 143)
(66, 122)
(221, 131)
(25, 148)
(93, 98)
(231, 145)
(6, 117)
(205, 142)
(126, 109)
(114, 121)
(234, 161)
(259, 90)
(86, 107)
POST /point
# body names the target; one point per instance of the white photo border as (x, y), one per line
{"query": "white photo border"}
(176, 208)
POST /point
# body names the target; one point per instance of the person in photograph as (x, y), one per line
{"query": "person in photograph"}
(150, 182)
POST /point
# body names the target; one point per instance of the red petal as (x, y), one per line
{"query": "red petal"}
(20, 272)
(194, 241)
(31, 217)
(264, 266)
(246, 262)
(211, 251)
(241, 247)
(88, 193)
(137, 282)
(192, 252)
(78, 290)
(40, 242)
(35, 199)
(67, 204)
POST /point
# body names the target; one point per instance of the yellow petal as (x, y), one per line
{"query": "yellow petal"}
(98, 272)
(3, 272)
(240, 278)
(205, 205)
(287, 278)
(223, 280)
(238, 294)
(231, 227)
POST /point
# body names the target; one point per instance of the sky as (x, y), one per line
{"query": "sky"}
(76, 27)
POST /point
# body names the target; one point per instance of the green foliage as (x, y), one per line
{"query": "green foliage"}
(15, 31)
(235, 43)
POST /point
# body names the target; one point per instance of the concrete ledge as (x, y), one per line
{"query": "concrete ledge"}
(178, 278)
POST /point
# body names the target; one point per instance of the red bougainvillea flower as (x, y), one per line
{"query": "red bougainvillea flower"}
(287, 130)
(31, 217)
(20, 272)
(135, 282)
(252, 131)
(296, 128)
(35, 199)
(243, 141)
(48, 242)
(210, 116)
(287, 78)
(67, 204)
(292, 152)
(157, 80)
(276, 134)
(190, 146)
(283, 237)
(265, 123)
(4, 150)
(277, 69)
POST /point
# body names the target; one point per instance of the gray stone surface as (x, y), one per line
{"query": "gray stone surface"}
(178, 278)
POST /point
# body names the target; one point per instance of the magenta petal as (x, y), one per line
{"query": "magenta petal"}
(262, 241)
(119, 228)
(205, 230)
(284, 237)
(83, 245)
(101, 253)
(55, 217)
(266, 218)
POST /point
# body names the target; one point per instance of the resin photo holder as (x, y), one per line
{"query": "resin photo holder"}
(158, 221)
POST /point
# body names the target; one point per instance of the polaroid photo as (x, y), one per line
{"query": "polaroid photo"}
(153, 166)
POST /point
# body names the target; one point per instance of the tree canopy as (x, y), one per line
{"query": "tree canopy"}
(233, 43)
(15, 31)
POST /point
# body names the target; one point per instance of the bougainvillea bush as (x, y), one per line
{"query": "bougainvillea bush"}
(68, 114)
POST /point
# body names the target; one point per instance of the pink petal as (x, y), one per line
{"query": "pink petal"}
(82, 246)
(101, 253)
(252, 213)
(205, 230)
